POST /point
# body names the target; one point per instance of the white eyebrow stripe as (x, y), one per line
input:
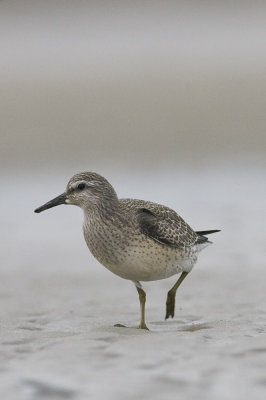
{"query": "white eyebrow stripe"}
(75, 184)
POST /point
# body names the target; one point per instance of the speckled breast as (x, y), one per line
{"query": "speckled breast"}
(135, 256)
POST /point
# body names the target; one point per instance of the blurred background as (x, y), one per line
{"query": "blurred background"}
(166, 99)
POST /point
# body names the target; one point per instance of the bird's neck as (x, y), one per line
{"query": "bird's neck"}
(101, 224)
(105, 209)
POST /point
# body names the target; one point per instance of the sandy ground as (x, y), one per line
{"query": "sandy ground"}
(58, 339)
(58, 306)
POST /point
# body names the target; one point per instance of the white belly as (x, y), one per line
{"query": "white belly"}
(138, 265)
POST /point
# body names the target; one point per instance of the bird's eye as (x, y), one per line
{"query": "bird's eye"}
(81, 186)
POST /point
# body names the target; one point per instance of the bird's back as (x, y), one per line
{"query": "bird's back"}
(159, 222)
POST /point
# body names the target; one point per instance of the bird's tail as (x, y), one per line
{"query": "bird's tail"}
(202, 233)
(202, 238)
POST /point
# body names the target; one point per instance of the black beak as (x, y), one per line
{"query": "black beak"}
(52, 203)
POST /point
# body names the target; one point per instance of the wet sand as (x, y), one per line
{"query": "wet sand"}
(58, 339)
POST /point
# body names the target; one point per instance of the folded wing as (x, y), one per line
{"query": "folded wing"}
(166, 227)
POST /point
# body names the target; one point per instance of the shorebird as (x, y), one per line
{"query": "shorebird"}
(135, 239)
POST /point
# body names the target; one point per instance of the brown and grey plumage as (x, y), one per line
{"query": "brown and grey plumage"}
(135, 239)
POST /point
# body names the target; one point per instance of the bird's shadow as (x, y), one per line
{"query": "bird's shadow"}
(180, 325)
(166, 326)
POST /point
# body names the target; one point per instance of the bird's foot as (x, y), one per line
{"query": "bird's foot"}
(142, 325)
(170, 305)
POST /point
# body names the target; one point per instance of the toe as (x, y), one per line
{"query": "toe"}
(119, 326)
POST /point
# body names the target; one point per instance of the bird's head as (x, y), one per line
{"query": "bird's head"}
(86, 190)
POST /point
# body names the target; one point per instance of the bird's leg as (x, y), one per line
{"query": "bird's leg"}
(142, 301)
(170, 302)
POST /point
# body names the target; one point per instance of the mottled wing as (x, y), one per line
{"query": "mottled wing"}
(166, 229)
(160, 223)
(154, 227)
